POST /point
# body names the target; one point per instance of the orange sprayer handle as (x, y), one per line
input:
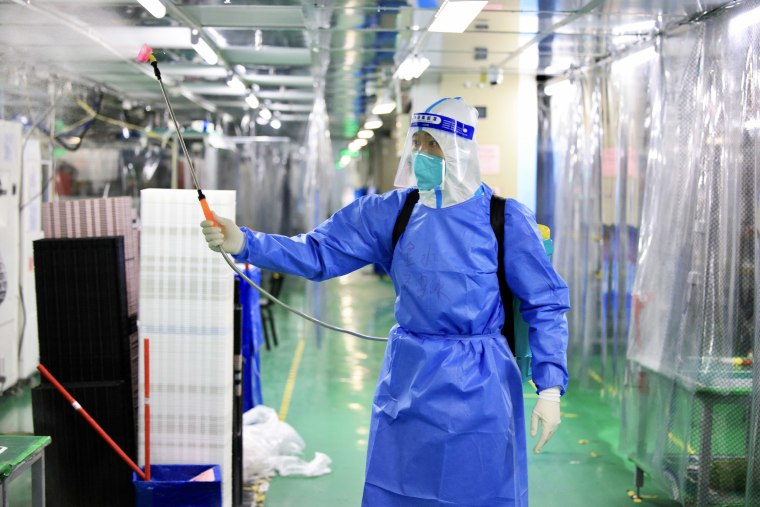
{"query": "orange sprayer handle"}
(206, 210)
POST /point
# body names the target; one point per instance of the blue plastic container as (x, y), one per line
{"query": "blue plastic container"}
(170, 485)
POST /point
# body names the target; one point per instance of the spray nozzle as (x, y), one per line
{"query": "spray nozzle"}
(145, 53)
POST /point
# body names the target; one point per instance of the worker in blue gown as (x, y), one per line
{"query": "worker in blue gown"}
(447, 426)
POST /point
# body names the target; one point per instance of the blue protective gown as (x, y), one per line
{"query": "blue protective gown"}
(447, 422)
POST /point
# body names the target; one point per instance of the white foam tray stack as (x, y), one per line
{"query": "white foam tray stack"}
(186, 310)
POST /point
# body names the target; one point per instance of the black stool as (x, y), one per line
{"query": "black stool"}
(267, 320)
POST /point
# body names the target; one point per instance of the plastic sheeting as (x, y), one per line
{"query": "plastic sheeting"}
(274, 447)
(317, 166)
(656, 162)
(259, 169)
(577, 222)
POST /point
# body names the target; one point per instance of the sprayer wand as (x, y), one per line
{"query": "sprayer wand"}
(154, 63)
(146, 55)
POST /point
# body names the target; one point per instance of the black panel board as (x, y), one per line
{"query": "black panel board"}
(82, 308)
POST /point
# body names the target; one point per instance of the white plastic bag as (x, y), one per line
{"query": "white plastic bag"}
(271, 446)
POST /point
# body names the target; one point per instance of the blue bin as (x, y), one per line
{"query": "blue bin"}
(170, 485)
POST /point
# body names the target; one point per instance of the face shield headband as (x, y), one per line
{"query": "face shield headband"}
(443, 123)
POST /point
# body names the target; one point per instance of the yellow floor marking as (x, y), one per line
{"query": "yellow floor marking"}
(288, 394)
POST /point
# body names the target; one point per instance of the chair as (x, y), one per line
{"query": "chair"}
(267, 320)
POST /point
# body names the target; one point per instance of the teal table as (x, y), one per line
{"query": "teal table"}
(18, 454)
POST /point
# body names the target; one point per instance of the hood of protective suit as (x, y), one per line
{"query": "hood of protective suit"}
(452, 123)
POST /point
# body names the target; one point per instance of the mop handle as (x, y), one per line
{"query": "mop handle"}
(146, 343)
(90, 420)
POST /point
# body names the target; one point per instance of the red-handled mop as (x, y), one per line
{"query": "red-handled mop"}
(146, 342)
(90, 420)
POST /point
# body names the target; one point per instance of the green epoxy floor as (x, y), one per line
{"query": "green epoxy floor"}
(333, 394)
(332, 397)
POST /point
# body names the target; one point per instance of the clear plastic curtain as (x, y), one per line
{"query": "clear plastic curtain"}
(258, 169)
(577, 135)
(627, 109)
(263, 185)
(656, 233)
(318, 158)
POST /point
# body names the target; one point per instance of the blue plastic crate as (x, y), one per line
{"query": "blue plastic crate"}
(170, 485)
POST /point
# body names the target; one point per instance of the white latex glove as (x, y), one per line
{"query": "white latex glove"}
(226, 234)
(546, 411)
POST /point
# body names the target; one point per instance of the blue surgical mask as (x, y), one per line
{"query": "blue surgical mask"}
(428, 169)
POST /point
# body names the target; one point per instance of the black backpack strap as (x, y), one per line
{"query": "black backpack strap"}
(403, 217)
(497, 224)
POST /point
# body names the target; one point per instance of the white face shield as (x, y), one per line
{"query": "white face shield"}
(440, 155)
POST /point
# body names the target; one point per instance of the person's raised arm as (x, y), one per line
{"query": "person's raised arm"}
(357, 235)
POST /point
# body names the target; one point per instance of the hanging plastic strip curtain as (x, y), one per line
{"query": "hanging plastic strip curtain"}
(577, 221)
(263, 182)
(258, 169)
(626, 110)
(657, 236)
(186, 309)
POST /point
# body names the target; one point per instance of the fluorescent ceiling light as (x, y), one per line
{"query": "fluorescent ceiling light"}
(456, 16)
(373, 122)
(365, 134)
(219, 39)
(236, 84)
(266, 114)
(384, 108)
(275, 124)
(558, 88)
(357, 144)
(412, 67)
(384, 104)
(252, 101)
(202, 48)
(155, 7)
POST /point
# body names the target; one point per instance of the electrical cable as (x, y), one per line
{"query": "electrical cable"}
(86, 127)
(85, 124)
(120, 123)
(38, 194)
(146, 54)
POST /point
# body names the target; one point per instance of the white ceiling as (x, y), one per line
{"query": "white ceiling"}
(360, 42)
